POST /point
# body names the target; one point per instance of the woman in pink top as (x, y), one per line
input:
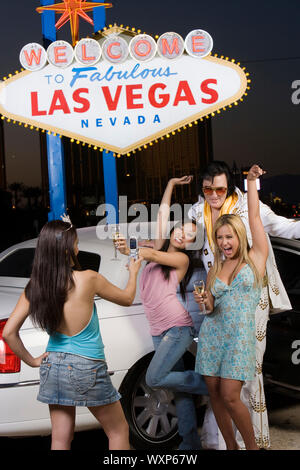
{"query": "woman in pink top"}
(170, 263)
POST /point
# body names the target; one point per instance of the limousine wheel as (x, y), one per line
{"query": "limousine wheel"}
(151, 414)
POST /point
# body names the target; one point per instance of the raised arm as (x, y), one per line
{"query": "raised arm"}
(164, 210)
(259, 250)
(108, 291)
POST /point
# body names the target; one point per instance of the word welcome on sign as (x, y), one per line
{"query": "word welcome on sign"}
(115, 49)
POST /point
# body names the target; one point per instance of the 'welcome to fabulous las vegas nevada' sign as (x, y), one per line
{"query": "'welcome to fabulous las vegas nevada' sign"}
(118, 91)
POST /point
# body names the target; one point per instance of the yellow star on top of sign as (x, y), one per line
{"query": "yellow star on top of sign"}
(71, 10)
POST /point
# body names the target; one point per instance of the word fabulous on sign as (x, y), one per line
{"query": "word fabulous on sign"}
(121, 92)
(115, 49)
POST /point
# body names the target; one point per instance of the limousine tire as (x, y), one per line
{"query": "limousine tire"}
(151, 414)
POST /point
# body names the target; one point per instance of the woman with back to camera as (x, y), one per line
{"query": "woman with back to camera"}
(170, 263)
(226, 347)
(59, 298)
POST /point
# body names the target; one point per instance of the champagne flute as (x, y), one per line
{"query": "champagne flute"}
(115, 236)
(199, 286)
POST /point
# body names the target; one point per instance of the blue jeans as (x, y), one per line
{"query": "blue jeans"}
(166, 370)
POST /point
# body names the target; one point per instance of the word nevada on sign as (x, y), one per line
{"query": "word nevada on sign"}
(120, 93)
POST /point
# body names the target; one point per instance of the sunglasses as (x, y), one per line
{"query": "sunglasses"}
(208, 190)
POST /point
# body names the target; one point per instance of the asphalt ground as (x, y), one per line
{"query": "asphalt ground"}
(284, 422)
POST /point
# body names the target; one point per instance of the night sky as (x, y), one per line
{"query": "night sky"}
(263, 35)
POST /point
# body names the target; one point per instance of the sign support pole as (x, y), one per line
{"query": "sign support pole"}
(109, 162)
(56, 167)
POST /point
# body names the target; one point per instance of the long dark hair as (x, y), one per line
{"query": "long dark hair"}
(192, 264)
(51, 277)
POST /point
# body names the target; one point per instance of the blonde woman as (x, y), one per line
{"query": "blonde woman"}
(226, 348)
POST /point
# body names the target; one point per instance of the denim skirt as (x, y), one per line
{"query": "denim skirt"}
(70, 380)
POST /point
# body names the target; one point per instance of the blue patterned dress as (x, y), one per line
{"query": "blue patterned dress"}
(226, 346)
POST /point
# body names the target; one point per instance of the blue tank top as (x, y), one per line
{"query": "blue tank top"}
(87, 343)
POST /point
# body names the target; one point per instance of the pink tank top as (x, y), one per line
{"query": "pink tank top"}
(162, 307)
